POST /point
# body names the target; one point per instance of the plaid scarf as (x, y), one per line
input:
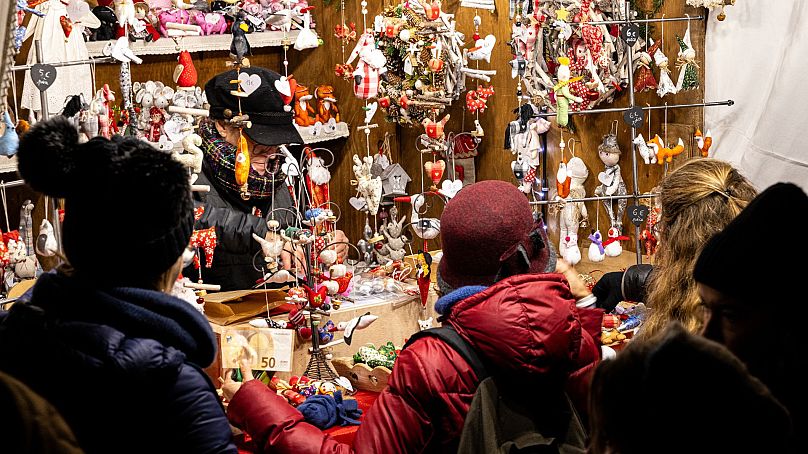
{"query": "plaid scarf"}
(221, 158)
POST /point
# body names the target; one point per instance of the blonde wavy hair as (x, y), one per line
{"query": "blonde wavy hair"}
(698, 200)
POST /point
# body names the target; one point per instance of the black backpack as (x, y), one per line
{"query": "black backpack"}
(498, 422)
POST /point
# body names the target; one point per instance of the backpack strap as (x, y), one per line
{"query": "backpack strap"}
(448, 335)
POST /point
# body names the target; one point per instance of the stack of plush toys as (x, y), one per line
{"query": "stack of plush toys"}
(153, 19)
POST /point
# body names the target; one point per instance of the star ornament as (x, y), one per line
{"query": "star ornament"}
(562, 14)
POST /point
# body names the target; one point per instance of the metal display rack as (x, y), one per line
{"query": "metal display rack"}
(635, 194)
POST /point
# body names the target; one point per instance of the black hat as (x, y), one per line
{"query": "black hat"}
(733, 260)
(128, 206)
(271, 124)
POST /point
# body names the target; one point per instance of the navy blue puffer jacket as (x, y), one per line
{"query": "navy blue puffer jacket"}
(121, 365)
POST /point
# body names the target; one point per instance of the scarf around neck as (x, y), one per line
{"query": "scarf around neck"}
(221, 159)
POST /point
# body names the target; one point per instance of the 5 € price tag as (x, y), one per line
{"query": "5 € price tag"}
(273, 348)
(630, 33)
(43, 75)
(637, 214)
(633, 117)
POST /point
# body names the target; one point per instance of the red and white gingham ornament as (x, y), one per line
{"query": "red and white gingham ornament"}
(206, 240)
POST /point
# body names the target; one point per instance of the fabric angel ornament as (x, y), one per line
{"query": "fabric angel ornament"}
(611, 180)
(644, 78)
(665, 86)
(686, 62)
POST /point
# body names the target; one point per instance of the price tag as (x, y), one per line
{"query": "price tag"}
(273, 347)
(43, 75)
(637, 214)
(630, 34)
(634, 117)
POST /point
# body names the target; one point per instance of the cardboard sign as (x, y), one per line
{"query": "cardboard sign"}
(43, 75)
(273, 348)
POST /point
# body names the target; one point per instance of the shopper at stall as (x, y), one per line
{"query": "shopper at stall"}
(679, 392)
(753, 316)
(238, 216)
(100, 338)
(698, 199)
(522, 322)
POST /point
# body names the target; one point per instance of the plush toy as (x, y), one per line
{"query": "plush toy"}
(434, 129)
(155, 125)
(207, 240)
(562, 92)
(573, 214)
(317, 179)
(307, 38)
(125, 12)
(304, 113)
(596, 250)
(611, 180)
(185, 73)
(686, 62)
(46, 240)
(648, 155)
(612, 246)
(9, 140)
(369, 66)
(27, 267)
(666, 85)
(644, 78)
(482, 49)
(210, 23)
(369, 188)
(193, 155)
(176, 16)
(143, 28)
(476, 100)
(326, 104)
(664, 154)
(703, 143)
(572, 253)
(108, 21)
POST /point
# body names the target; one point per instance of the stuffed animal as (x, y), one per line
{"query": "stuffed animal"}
(703, 143)
(304, 113)
(612, 246)
(185, 72)
(177, 16)
(9, 140)
(434, 129)
(210, 23)
(369, 66)
(326, 104)
(572, 253)
(108, 21)
(596, 251)
(562, 92)
(574, 213)
(482, 49)
(611, 180)
(648, 156)
(664, 154)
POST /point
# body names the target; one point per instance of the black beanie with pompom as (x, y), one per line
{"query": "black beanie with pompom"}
(128, 206)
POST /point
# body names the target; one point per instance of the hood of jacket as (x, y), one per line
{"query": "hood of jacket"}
(527, 324)
(132, 331)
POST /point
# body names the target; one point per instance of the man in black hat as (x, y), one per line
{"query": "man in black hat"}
(237, 215)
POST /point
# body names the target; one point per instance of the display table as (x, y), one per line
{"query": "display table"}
(398, 320)
(342, 434)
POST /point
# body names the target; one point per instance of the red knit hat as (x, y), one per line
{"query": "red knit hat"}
(488, 233)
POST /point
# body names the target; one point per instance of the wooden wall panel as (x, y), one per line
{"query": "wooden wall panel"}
(315, 67)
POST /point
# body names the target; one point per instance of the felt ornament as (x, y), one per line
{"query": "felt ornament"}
(435, 170)
(361, 322)
(649, 242)
(648, 155)
(185, 72)
(664, 154)
(612, 246)
(67, 26)
(572, 253)
(562, 92)
(596, 251)
(482, 49)
(316, 298)
(686, 63)
(476, 100)
(9, 140)
(426, 228)
(703, 143)
(431, 9)
(666, 85)
(562, 180)
(370, 62)
(207, 240)
(307, 38)
(242, 167)
(611, 180)
(317, 179)
(369, 188)
(644, 78)
(46, 240)
(434, 129)
(573, 214)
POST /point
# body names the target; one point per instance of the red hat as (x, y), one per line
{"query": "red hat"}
(488, 233)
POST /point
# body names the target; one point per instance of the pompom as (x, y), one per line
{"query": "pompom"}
(47, 153)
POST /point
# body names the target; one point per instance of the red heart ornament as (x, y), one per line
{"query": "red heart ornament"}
(316, 299)
(67, 26)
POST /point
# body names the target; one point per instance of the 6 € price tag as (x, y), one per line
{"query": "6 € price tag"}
(630, 33)
(633, 117)
(273, 348)
(43, 75)
(637, 214)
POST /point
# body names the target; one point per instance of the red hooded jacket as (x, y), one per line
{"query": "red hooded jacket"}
(523, 327)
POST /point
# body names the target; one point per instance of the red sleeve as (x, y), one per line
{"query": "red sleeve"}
(397, 422)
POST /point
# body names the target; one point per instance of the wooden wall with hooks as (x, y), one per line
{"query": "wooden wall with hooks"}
(315, 67)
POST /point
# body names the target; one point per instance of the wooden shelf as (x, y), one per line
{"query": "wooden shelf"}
(308, 138)
(170, 46)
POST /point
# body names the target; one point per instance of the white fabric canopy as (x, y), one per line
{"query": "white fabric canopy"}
(759, 57)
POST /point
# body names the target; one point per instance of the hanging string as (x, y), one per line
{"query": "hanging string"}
(649, 121)
(5, 205)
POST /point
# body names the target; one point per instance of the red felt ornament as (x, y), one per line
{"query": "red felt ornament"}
(316, 298)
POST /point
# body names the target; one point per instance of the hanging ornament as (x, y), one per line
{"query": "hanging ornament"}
(686, 63)
(67, 26)
(596, 251)
(435, 170)
(242, 165)
(703, 143)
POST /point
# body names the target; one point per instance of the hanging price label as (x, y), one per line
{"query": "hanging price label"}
(43, 75)
(637, 214)
(634, 117)
(273, 348)
(630, 33)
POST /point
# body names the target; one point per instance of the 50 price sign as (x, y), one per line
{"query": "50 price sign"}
(273, 348)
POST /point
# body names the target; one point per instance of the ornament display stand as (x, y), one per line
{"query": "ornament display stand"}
(635, 194)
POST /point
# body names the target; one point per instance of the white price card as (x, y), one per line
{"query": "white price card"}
(273, 348)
